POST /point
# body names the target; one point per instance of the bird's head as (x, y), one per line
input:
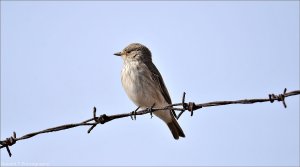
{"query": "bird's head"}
(135, 51)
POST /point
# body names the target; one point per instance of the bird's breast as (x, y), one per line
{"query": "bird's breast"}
(138, 84)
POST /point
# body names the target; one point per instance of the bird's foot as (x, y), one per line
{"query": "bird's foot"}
(150, 110)
(133, 113)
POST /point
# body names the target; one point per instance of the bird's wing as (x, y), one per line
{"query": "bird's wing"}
(156, 76)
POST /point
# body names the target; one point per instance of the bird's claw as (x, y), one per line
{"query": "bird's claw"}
(150, 110)
(133, 113)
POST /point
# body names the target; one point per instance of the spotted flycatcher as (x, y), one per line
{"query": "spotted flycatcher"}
(144, 84)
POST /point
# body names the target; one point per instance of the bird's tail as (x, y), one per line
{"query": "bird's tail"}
(175, 129)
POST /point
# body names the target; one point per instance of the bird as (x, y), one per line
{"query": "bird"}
(145, 86)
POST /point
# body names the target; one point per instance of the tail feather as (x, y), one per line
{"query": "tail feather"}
(175, 129)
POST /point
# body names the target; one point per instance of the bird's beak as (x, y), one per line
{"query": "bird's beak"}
(118, 54)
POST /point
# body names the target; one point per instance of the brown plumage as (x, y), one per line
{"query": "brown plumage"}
(144, 84)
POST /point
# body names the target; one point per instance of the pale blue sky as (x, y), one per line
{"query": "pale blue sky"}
(57, 63)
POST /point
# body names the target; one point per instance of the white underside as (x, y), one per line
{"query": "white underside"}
(142, 89)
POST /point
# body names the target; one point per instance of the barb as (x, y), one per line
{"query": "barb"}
(102, 119)
(95, 119)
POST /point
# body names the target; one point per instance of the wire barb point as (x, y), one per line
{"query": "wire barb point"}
(9, 142)
(280, 97)
(191, 107)
(184, 106)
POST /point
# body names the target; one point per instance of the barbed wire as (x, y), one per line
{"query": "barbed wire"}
(182, 107)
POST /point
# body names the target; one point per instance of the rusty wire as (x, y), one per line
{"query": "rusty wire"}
(102, 119)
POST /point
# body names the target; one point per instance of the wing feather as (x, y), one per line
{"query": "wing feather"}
(156, 76)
